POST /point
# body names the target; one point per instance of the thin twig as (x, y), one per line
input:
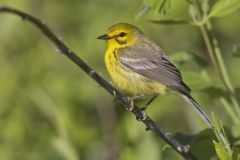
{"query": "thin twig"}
(183, 150)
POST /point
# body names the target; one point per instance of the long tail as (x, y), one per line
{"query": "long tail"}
(196, 106)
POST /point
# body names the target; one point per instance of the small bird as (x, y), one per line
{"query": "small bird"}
(138, 66)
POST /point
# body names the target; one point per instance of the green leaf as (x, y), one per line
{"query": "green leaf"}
(171, 22)
(205, 8)
(222, 138)
(218, 129)
(236, 153)
(161, 7)
(224, 7)
(221, 152)
(193, 13)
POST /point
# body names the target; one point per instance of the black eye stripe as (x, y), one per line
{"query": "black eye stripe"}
(122, 34)
(120, 42)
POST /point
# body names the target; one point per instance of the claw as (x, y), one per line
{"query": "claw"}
(130, 101)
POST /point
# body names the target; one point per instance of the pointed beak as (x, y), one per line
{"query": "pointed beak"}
(104, 37)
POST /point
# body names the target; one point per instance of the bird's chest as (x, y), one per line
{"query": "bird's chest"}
(111, 61)
(126, 80)
(117, 72)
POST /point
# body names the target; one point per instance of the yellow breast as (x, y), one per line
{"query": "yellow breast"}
(129, 82)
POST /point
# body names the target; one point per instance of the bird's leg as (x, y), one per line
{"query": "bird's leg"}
(143, 115)
(149, 102)
(137, 97)
(133, 98)
(131, 102)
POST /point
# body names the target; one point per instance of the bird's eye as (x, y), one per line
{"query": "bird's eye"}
(122, 34)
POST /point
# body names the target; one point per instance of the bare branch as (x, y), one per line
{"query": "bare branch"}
(183, 150)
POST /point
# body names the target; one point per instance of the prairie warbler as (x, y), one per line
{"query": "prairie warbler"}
(139, 67)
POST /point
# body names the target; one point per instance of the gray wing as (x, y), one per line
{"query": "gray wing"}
(149, 61)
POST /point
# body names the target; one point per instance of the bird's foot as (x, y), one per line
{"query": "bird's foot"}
(131, 103)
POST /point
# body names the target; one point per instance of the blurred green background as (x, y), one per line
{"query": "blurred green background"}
(50, 109)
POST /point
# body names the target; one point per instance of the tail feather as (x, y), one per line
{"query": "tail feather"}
(196, 106)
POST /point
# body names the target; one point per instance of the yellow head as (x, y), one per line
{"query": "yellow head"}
(121, 35)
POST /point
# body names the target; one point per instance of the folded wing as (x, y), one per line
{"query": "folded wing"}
(148, 60)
